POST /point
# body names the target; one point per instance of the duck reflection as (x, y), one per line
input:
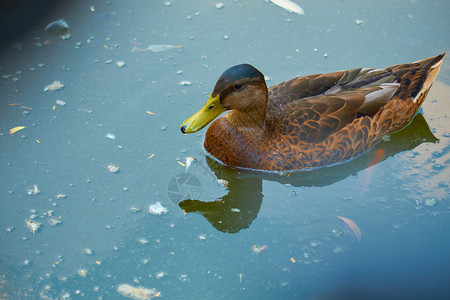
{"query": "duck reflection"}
(240, 206)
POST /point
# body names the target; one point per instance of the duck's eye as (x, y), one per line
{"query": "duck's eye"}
(238, 86)
(210, 107)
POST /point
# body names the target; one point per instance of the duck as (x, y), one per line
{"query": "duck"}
(311, 121)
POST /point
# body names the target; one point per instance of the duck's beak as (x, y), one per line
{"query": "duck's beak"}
(204, 116)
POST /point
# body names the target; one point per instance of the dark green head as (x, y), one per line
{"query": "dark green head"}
(237, 77)
(241, 87)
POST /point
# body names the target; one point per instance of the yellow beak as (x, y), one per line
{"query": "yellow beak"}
(204, 116)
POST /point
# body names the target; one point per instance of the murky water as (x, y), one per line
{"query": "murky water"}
(261, 237)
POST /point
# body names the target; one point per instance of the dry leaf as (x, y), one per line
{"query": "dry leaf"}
(15, 129)
(352, 225)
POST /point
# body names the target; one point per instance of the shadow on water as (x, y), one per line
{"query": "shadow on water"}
(240, 206)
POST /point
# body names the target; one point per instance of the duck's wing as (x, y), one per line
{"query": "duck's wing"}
(308, 86)
(329, 83)
(314, 119)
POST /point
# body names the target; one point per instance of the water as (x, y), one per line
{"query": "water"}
(401, 204)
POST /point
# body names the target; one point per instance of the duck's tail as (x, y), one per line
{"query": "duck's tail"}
(415, 81)
(416, 78)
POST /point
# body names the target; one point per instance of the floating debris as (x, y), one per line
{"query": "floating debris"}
(219, 5)
(222, 182)
(189, 161)
(359, 22)
(157, 209)
(134, 209)
(61, 196)
(33, 225)
(259, 249)
(314, 244)
(60, 102)
(58, 28)
(137, 293)
(202, 237)
(338, 250)
(185, 83)
(87, 251)
(143, 241)
(156, 48)
(430, 202)
(54, 221)
(55, 86)
(112, 168)
(120, 64)
(82, 272)
(160, 274)
(15, 129)
(34, 191)
(353, 227)
(110, 136)
(336, 233)
(289, 6)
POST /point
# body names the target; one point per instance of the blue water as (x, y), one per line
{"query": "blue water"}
(401, 204)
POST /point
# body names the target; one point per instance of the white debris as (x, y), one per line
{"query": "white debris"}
(54, 221)
(161, 274)
(157, 209)
(33, 226)
(430, 202)
(82, 272)
(60, 102)
(110, 136)
(289, 6)
(34, 191)
(222, 182)
(112, 168)
(189, 161)
(120, 64)
(137, 293)
(54, 86)
(185, 83)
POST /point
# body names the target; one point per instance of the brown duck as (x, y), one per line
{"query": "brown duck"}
(312, 121)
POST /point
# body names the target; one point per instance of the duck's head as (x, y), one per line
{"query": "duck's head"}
(240, 87)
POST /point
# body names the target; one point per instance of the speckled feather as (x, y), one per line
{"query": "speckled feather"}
(323, 119)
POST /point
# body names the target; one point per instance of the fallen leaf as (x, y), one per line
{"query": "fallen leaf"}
(156, 48)
(289, 6)
(15, 129)
(293, 260)
(352, 225)
(151, 156)
(38, 141)
(149, 112)
(181, 163)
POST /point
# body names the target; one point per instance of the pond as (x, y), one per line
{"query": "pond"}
(77, 181)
